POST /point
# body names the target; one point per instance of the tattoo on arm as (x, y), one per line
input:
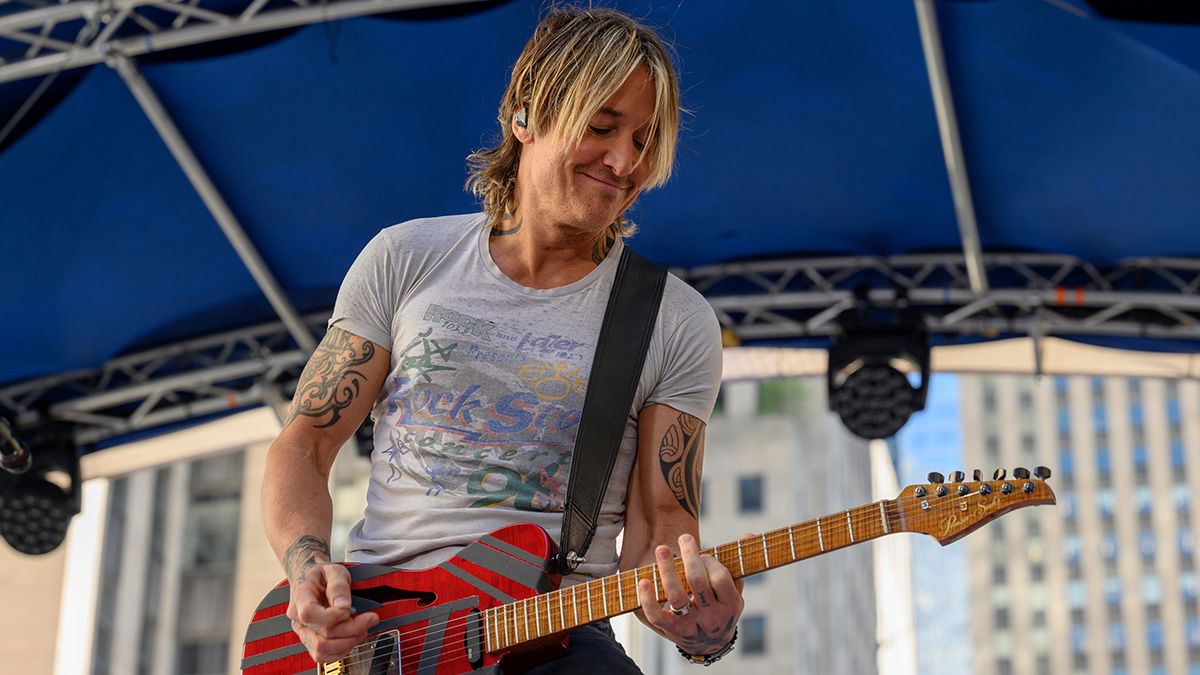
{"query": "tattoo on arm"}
(302, 556)
(330, 383)
(603, 245)
(679, 457)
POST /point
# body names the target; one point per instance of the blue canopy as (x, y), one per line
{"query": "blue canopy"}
(812, 132)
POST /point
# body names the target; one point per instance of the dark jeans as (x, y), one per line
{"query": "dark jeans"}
(593, 650)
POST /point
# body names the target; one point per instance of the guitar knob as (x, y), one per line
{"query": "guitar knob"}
(999, 474)
(1007, 488)
(935, 477)
(1042, 472)
(977, 475)
(942, 491)
(985, 489)
(964, 490)
(1027, 488)
(957, 477)
(1021, 473)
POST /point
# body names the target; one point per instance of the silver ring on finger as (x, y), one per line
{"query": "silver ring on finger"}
(680, 611)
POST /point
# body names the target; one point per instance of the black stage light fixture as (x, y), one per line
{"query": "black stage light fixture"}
(37, 505)
(868, 375)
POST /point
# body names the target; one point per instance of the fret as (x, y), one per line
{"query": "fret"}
(492, 642)
(525, 613)
(883, 518)
(511, 626)
(741, 564)
(537, 617)
(654, 573)
(620, 592)
(562, 610)
(766, 551)
(575, 604)
(792, 541)
(850, 526)
(549, 614)
(820, 538)
(604, 595)
(589, 599)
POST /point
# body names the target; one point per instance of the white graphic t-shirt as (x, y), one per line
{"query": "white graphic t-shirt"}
(475, 426)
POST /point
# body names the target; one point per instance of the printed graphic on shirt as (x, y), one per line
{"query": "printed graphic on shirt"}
(480, 411)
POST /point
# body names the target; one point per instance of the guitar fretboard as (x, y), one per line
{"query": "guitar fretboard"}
(558, 611)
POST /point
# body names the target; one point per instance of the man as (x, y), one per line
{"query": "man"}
(470, 339)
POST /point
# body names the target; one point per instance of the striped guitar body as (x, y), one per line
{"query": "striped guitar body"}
(435, 616)
(496, 606)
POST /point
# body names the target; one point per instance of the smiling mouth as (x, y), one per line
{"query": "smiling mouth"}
(603, 182)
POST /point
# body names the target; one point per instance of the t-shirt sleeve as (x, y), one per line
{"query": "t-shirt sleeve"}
(692, 367)
(366, 301)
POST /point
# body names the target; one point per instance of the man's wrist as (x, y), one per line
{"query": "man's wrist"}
(709, 659)
(304, 553)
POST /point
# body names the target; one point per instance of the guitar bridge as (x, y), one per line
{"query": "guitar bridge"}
(380, 655)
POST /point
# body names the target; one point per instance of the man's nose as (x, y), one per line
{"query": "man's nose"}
(622, 158)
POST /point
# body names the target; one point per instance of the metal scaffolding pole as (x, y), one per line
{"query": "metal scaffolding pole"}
(956, 166)
(212, 199)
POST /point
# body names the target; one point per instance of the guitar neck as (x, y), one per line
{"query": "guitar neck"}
(550, 613)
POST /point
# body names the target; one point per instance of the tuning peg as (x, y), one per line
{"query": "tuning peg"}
(935, 477)
(977, 475)
(1021, 473)
(1042, 472)
(999, 474)
(957, 476)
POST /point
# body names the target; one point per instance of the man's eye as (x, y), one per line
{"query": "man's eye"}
(600, 131)
(640, 145)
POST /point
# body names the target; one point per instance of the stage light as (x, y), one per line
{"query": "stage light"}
(868, 374)
(36, 507)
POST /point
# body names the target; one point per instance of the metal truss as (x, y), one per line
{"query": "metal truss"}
(175, 383)
(80, 33)
(1029, 295)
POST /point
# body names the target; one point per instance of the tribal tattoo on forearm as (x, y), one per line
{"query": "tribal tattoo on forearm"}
(301, 556)
(330, 383)
(680, 458)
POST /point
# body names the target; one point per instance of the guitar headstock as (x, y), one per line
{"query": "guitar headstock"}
(949, 510)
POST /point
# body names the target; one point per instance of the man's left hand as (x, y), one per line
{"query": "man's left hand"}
(704, 621)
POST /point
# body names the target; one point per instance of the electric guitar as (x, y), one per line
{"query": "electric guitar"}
(496, 606)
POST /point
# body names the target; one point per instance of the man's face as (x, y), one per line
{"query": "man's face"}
(588, 186)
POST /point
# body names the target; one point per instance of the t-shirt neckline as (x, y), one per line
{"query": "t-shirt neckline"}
(603, 269)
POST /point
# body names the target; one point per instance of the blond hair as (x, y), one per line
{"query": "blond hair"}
(576, 59)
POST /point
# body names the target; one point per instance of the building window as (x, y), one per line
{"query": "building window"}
(1151, 590)
(750, 494)
(1001, 617)
(753, 636)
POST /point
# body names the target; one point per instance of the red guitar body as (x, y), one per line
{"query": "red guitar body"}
(434, 614)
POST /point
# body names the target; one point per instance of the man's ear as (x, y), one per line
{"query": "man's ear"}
(520, 125)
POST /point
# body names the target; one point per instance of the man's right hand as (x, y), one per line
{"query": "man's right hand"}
(322, 616)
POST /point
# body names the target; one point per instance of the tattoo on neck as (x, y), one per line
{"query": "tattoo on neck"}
(603, 245)
(507, 226)
(330, 383)
(680, 457)
(301, 556)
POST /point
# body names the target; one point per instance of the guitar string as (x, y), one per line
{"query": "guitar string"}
(776, 538)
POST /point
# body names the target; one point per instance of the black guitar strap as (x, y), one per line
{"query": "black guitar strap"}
(616, 368)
